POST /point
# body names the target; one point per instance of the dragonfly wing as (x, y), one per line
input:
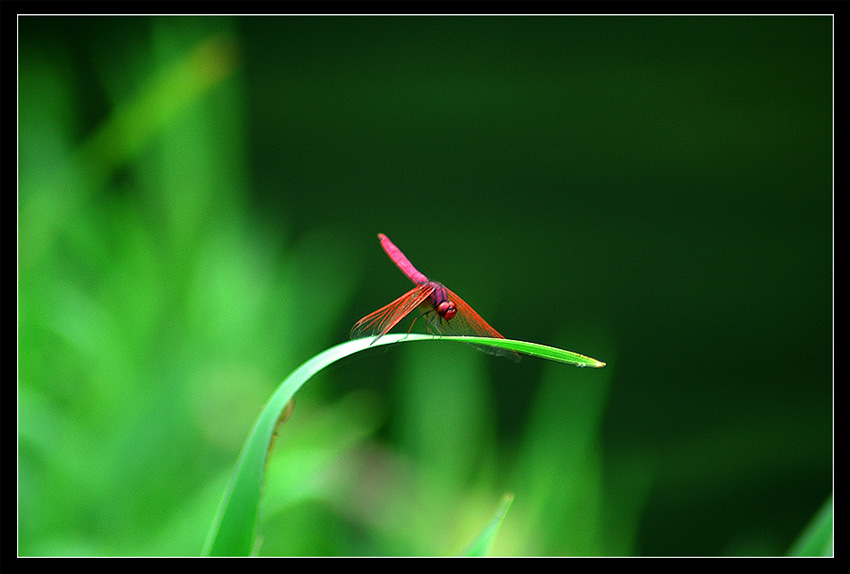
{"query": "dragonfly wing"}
(381, 321)
(468, 322)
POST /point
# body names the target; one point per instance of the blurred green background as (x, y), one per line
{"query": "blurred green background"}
(198, 206)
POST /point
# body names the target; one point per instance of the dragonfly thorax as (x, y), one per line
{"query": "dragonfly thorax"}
(441, 303)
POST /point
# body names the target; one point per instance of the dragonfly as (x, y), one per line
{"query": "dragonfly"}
(444, 311)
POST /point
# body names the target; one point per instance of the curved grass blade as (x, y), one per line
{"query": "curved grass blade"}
(233, 529)
(484, 541)
(533, 349)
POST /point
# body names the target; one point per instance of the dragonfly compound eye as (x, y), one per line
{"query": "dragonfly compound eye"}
(446, 309)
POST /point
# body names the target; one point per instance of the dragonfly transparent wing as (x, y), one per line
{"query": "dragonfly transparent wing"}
(381, 321)
(469, 323)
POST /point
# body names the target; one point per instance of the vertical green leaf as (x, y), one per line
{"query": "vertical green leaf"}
(484, 541)
(817, 538)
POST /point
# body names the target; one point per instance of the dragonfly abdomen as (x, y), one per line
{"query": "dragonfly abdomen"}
(401, 261)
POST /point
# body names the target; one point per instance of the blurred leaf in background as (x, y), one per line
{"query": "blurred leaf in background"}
(153, 316)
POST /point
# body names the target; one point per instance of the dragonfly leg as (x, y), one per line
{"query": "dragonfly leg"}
(438, 323)
(433, 327)
(417, 317)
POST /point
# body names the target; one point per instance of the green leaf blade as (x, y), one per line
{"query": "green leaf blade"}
(532, 349)
(233, 530)
(484, 541)
(817, 538)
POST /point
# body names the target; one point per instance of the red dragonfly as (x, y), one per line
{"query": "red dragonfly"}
(445, 312)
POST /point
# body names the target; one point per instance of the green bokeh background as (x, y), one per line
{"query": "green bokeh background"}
(198, 206)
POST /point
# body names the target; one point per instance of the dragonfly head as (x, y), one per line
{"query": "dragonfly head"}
(446, 310)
